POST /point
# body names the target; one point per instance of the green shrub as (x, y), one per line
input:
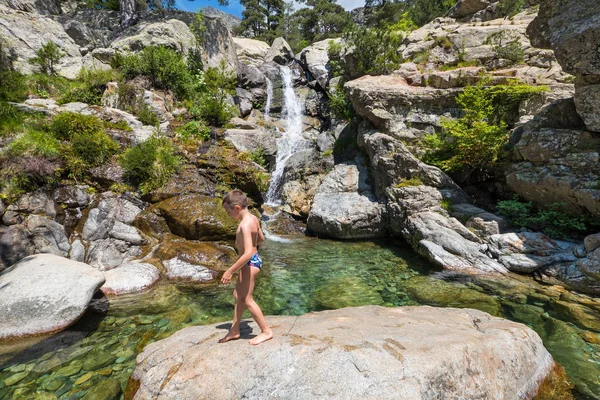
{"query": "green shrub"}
(120, 125)
(35, 143)
(68, 124)
(193, 130)
(334, 51)
(421, 57)
(47, 57)
(551, 221)
(150, 163)
(328, 153)
(443, 42)
(94, 148)
(13, 86)
(376, 50)
(165, 68)
(507, 45)
(89, 86)
(45, 86)
(146, 115)
(339, 104)
(10, 118)
(510, 8)
(112, 5)
(475, 140)
(258, 156)
(213, 107)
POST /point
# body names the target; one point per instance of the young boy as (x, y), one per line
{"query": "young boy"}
(248, 236)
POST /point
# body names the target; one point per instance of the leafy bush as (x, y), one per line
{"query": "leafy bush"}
(120, 125)
(47, 57)
(507, 45)
(443, 42)
(550, 221)
(213, 106)
(13, 86)
(68, 124)
(94, 148)
(193, 130)
(45, 86)
(376, 50)
(510, 8)
(35, 143)
(258, 156)
(112, 5)
(89, 86)
(475, 140)
(10, 118)
(334, 51)
(339, 104)
(165, 68)
(146, 115)
(150, 163)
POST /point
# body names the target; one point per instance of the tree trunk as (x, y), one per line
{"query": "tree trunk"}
(127, 13)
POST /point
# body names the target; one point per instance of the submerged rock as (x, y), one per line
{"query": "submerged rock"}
(363, 352)
(45, 293)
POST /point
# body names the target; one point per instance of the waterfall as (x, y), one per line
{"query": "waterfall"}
(291, 141)
(269, 97)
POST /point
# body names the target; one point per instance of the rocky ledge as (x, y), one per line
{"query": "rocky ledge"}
(366, 352)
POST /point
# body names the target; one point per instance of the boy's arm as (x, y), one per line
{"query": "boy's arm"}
(243, 258)
(261, 236)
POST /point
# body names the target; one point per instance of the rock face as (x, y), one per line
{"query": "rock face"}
(250, 51)
(314, 58)
(22, 34)
(571, 29)
(345, 206)
(558, 161)
(44, 293)
(173, 34)
(364, 352)
(47, 7)
(280, 52)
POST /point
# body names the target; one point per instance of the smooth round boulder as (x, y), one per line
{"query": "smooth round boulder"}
(45, 293)
(366, 352)
(129, 278)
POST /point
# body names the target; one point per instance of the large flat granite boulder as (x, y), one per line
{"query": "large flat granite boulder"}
(45, 293)
(360, 353)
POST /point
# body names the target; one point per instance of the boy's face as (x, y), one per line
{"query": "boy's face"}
(233, 212)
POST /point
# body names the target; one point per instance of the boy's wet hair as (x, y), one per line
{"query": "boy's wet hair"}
(235, 198)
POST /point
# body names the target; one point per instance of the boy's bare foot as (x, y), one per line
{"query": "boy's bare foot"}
(229, 336)
(262, 337)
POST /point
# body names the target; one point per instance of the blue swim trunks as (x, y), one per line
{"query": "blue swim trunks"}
(255, 261)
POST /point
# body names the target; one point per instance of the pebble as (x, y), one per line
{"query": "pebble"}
(11, 380)
(84, 378)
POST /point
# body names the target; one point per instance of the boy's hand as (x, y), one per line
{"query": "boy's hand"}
(226, 277)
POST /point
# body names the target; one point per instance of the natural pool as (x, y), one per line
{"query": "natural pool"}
(306, 275)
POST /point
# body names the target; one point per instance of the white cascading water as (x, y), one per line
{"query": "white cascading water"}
(291, 141)
(269, 97)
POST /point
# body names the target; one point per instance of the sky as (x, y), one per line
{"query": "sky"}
(236, 8)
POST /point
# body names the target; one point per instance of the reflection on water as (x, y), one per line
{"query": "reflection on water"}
(306, 275)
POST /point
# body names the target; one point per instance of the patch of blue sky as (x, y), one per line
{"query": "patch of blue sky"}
(234, 6)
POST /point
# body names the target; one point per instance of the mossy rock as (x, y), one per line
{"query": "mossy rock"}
(97, 360)
(197, 217)
(580, 315)
(109, 389)
(347, 291)
(436, 292)
(186, 181)
(215, 256)
(229, 168)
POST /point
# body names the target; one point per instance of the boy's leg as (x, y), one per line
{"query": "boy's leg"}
(234, 331)
(254, 309)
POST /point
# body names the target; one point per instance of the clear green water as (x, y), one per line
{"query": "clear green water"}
(307, 275)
